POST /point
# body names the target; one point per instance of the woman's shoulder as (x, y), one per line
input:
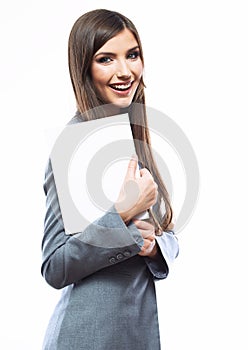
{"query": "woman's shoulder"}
(77, 118)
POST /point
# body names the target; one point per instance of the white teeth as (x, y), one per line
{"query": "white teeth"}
(121, 87)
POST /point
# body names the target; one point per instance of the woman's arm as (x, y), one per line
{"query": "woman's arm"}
(159, 252)
(167, 249)
(67, 259)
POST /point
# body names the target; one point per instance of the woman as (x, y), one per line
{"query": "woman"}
(108, 299)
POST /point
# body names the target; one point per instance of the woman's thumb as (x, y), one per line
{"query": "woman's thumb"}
(132, 167)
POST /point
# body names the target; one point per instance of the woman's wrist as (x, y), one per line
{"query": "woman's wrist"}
(125, 215)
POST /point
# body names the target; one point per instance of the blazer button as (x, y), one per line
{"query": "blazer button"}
(119, 256)
(127, 253)
(159, 275)
(112, 260)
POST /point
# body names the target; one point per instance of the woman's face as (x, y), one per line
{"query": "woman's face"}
(117, 69)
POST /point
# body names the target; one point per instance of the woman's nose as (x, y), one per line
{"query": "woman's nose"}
(123, 70)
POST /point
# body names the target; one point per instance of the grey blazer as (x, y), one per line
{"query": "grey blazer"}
(108, 300)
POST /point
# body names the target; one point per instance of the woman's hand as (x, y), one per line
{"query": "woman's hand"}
(147, 231)
(137, 193)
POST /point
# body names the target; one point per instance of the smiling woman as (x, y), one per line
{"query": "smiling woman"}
(117, 69)
(108, 270)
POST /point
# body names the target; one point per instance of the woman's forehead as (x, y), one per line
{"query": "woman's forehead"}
(124, 40)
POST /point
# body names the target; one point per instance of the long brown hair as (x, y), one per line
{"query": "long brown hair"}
(89, 33)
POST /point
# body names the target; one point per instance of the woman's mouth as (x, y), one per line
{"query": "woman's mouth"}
(121, 86)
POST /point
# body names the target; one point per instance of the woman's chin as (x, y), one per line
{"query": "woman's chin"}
(122, 104)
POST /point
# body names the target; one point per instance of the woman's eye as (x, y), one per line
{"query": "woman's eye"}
(104, 60)
(134, 55)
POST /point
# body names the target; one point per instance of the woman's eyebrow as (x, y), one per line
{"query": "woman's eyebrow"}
(113, 54)
(105, 53)
(133, 48)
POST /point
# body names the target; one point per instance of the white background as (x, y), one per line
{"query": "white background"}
(196, 73)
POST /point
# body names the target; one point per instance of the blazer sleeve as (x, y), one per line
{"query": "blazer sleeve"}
(67, 259)
(168, 250)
